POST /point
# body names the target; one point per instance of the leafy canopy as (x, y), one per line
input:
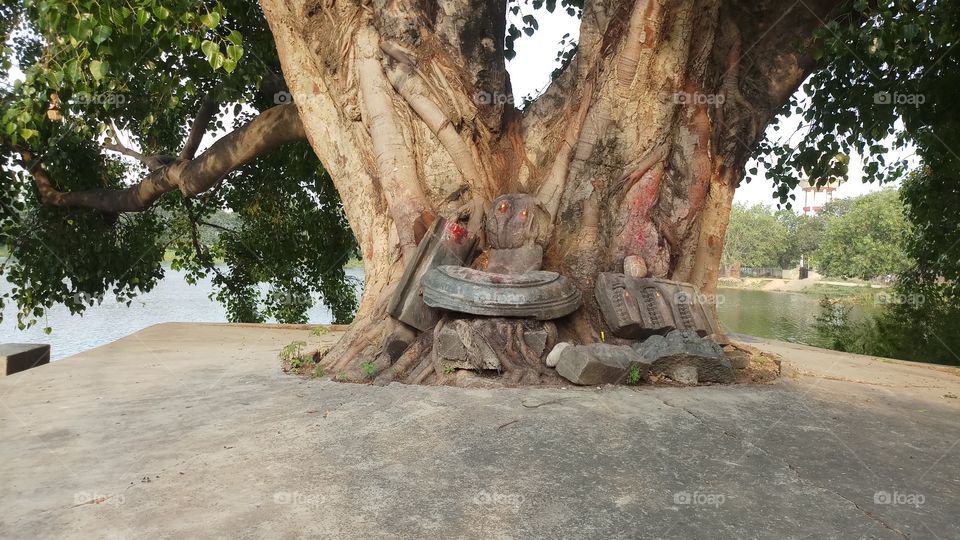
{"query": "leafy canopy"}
(141, 68)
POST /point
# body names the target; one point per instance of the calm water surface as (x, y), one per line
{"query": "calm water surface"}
(786, 316)
(173, 300)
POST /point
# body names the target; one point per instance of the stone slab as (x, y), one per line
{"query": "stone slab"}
(445, 243)
(17, 357)
(187, 431)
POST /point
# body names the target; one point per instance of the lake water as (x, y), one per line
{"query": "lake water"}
(786, 316)
(173, 300)
(780, 315)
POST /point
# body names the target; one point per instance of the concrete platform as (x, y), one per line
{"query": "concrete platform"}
(192, 431)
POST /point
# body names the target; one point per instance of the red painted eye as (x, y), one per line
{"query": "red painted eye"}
(524, 213)
(504, 206)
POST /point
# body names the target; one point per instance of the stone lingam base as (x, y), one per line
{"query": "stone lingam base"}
(510, 349)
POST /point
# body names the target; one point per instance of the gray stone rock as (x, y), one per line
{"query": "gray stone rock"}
(684, 348)
(444, 244)
(554, 355)
(536, 339)
(635, 308)
(684, 374)
(457, 346)
(598, 363)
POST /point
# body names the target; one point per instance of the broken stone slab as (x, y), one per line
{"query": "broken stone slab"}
(636, 308)
(461, 343)
(445, 243)
(458, 346)
(17, 357)
(541, 295)
(675, 354)
(598, 363)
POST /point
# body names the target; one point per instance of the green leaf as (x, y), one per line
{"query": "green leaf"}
(234, 52)
(210, 49)
(99, 69)
(211, 20)
(101, 33)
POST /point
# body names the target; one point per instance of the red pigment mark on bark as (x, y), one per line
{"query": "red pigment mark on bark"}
(457, 232)
(641, 198)
(650, 15)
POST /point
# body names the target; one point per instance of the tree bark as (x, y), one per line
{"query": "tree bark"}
(636, 149)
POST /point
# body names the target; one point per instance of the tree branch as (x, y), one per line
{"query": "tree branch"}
(208, 108)
(409, 84)
(151, 162)
(264, 133)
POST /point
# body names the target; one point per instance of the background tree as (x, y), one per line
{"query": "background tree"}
(755, 238)
(803, 233)
(867, 242)
(635, 149)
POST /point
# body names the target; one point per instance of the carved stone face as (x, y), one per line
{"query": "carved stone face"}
(512, 221)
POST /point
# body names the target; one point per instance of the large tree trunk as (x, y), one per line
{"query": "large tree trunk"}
(636, 149)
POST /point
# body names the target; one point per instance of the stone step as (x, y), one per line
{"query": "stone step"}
(17, 357)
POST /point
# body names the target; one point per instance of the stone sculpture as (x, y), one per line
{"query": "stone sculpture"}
(513, 285)
(637, 308)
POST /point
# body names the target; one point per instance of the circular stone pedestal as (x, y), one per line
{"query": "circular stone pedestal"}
(541, 295)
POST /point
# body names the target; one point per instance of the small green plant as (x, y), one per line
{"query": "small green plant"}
(633, 377)
(448, 370)
(292, 351)
(341, 376)
(319, 331)
(368, 369)
(319, 372)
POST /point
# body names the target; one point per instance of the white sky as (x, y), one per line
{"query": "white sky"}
(530, 74)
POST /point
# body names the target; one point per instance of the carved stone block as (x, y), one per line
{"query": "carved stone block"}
(445, 243)
(636, 308)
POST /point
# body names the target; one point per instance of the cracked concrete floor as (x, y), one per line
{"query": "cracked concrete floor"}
(193, 431)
